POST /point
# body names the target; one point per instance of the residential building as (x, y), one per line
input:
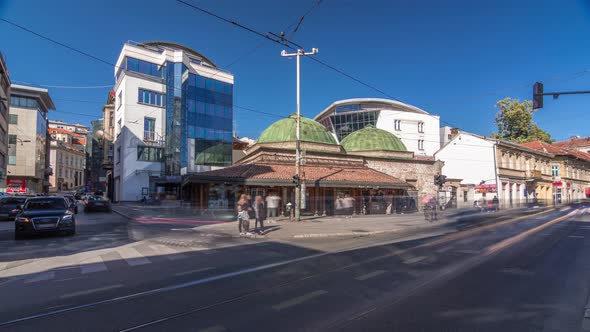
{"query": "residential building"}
(4, 111)
(369, 172)
(489, 167)
(67, 155)
(108, 134)
(447, 133)
(173, 116)
(28, 140)
(570, 171)
(575, 143)
(79, 129)
(68, 164)
(417, 129)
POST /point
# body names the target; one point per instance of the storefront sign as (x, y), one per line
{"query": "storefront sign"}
(486, 188)
(16, 186)
(557, 184)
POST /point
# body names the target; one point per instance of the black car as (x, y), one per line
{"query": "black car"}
(73, 204)
(97, 203)
(8, 205)
(44, 215)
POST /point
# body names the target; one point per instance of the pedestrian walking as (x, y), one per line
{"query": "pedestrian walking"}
(496, 203)
(259, 214)
(243, 207)
(272, 204)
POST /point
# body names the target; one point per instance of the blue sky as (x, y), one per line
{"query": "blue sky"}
(451, 58)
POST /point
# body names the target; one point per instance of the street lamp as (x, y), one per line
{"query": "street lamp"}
(298, 54)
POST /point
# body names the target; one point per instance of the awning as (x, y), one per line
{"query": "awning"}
(587, 191)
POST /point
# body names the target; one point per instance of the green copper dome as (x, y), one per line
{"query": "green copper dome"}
(372, 139)
(285, 131)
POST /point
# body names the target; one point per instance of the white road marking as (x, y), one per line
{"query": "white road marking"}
(413, 260)
(93, 264)
(298, 300)
(132, 256)
(169, 252)
(90, 291)
(370, 275)
(517, 271)
(216, 328)
(68, 279)
(193, 271)
(469, 252)
(443, 249)
(576, 236)
(3, 265)
(41, 277)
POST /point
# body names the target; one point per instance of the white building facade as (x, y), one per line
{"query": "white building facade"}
(68, 164)
(173, 116)
(417, 129)
(488, 167)
(28, 141)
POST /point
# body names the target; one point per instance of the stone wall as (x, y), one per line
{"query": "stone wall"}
(418, 173)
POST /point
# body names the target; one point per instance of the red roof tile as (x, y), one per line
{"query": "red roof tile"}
(63, 131)
(312, 174)
(574, 142)
(557, 150)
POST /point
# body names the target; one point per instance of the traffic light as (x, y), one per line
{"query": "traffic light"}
(296, 180)
(439, 180)
(537, 95)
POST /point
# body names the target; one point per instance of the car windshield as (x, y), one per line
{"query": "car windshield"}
(45, 204)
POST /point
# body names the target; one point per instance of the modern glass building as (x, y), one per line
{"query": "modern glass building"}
(174, 108)
(417, 129)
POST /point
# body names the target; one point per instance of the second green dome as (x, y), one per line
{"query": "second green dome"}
(372, 139)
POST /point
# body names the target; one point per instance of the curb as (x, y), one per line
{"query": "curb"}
(122, 214)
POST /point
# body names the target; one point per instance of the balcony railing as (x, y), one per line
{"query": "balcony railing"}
(149, 136)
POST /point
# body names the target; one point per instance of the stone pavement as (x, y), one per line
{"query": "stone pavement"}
(181, 223)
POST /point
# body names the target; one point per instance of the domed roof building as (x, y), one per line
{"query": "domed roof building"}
(371, 141)
(285, 131)
(370, 168)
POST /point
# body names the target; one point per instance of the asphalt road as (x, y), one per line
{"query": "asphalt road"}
(510, 276)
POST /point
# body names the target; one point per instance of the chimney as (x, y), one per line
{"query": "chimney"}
(454, 132)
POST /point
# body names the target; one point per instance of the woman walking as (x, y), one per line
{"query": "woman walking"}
(243, 217)
(259, 214)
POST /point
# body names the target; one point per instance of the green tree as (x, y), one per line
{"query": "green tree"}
(515, 122)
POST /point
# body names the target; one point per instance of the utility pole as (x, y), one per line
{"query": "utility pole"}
(299, 53)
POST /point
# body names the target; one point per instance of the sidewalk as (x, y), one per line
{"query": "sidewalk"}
(183, 224)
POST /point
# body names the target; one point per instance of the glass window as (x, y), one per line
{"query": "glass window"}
(149, 129)
(149, 153)
(150, 97)
(13, 119)
(554, 170)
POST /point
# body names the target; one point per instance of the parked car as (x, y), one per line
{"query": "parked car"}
(72, 203)
(44, 215)
(8, 206)
(97, 203)
(3, 195)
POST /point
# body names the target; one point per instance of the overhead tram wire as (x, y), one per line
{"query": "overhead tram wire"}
(294, 46)
(221, 18)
